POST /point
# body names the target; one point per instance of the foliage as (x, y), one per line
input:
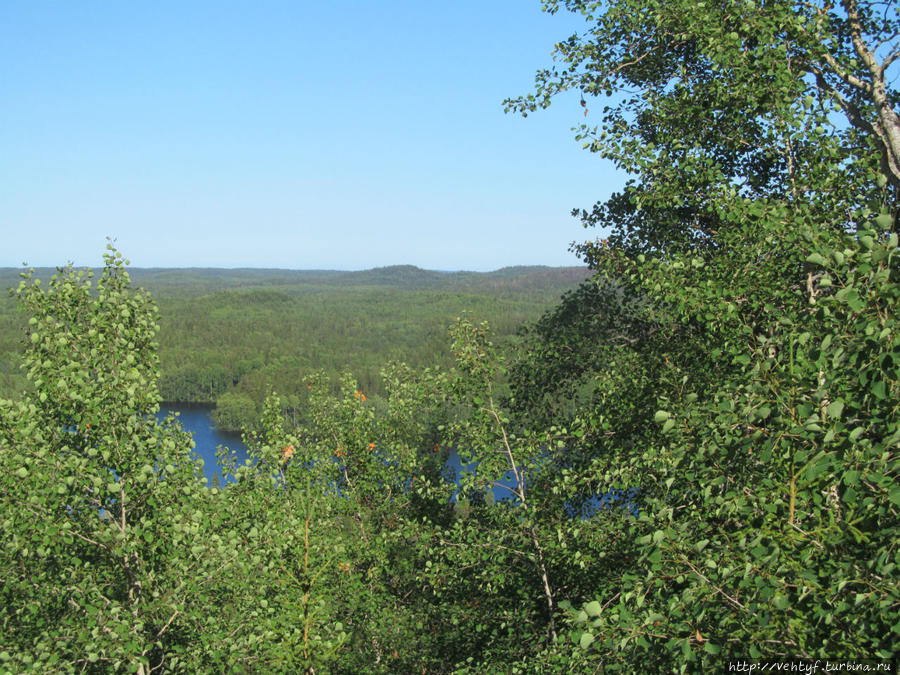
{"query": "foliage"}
(743, 383)
(233, 410)
(737, 100)
(94, 567)
(227, 336)
(692, 458)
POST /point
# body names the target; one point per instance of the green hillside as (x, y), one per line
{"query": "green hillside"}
(242, 333)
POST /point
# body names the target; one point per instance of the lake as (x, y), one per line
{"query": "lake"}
(197, 419)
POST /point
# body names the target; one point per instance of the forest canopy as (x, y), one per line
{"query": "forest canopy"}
(699, 443)
(231, 337)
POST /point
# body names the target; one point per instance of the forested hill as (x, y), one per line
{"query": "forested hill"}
(203, 280)
(232, 336)
(691, 465)
(400, 277)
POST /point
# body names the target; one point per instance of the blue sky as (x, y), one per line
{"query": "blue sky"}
(335, 135)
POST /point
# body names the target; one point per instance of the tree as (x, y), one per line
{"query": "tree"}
(377, 462)
(94, 571)
(233, 410)
(756, 244)
(726, 101)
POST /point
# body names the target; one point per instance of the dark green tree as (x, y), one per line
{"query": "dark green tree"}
(743, 378)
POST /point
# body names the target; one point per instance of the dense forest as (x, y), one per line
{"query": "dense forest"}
(700, 442)
(231, 337)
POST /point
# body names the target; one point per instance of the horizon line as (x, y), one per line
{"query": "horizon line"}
(26, 267)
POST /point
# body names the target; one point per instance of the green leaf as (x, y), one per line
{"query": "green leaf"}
(895, 496)
(818, 465)
(585, 640)
(654, 617)
(835, 408)
(593, 608)
(660, 416)
(711, 648)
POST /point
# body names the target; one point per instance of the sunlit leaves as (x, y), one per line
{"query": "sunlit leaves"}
(762, 365)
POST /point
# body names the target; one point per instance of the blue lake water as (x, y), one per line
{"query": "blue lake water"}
(198, 420)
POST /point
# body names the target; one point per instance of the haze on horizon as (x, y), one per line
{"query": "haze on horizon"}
(339, 136)
(276, 270)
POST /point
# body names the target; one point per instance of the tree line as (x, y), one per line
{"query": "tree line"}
(699, 443)
(230, 338)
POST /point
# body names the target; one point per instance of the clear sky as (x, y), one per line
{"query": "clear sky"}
(291, 134)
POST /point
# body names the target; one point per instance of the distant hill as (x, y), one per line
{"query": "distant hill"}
(411, 277)
(242, 332)
(202, 281)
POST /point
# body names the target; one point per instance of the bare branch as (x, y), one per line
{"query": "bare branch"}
(893, 56)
